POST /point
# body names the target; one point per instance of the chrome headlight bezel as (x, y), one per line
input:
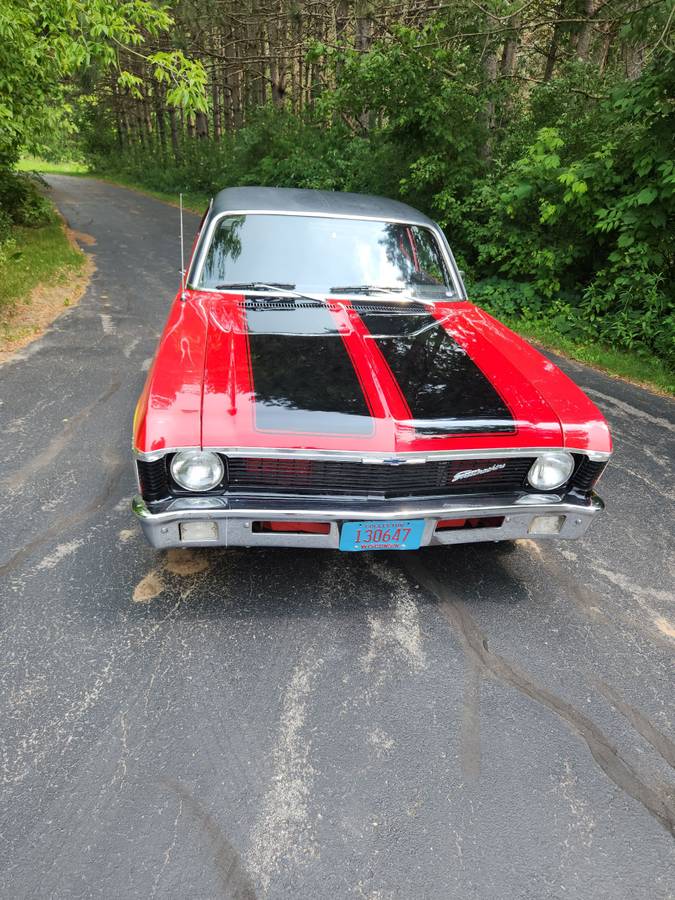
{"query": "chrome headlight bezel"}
(207, 468)
(551, 470)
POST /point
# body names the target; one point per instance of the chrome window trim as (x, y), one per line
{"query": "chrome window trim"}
(197, 263)
(410, 457)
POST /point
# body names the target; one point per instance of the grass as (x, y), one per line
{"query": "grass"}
(192, 200)
(647, 371)
(36, 164)
(36, 256)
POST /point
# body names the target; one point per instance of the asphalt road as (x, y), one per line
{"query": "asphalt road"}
(488, 721)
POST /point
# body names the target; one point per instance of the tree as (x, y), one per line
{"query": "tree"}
(42, 42)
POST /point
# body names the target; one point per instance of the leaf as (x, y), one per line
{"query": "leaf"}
(647, 196)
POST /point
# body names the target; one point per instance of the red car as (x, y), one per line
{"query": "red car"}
(323, 381)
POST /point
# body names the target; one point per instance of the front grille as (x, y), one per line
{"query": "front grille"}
(153, 479)
(504, 475)
(465, 476)
(586, 475)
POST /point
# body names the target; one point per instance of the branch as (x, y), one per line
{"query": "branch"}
(570, 89)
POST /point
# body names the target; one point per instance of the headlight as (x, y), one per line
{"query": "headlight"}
(551, 470)
(197, 470)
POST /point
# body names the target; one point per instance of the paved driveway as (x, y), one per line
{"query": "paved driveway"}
(487, 721)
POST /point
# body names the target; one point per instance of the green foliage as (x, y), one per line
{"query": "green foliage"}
(22, 207)
(584, 240)
(408, 98)
(44, 41)
(21, 202)
(558, 200)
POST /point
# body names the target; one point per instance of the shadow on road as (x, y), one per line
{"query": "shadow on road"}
(274, 584)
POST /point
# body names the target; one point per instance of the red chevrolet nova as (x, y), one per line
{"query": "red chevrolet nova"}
(323, 381)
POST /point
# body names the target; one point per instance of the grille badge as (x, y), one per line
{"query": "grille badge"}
(471, 473)
(394, 461)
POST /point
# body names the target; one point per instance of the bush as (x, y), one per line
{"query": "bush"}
(584, 242)
(5, 227)
(21, 202)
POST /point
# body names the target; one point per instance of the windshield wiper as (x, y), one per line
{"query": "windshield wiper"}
(255, 286)
(376, 289)
(365, 289)
(276, 286)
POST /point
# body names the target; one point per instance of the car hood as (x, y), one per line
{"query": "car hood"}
(377, 377)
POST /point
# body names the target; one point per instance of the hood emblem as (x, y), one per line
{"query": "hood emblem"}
(471, 473)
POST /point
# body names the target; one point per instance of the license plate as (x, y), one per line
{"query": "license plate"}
(394, 535)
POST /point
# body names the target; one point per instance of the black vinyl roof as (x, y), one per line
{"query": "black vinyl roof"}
(269, 199)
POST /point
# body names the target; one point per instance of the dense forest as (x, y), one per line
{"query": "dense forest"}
(539, 133)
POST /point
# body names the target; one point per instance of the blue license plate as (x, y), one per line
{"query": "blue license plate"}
(393, 535)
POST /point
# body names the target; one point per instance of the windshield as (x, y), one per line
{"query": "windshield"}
(324, 255)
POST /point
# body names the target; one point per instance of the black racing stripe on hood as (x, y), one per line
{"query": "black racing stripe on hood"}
(303, 378)
(446, 391)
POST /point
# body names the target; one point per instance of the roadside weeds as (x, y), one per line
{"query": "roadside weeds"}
(32, 315)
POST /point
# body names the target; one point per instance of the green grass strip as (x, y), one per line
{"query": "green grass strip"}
(645, 370)
(36, 164)
(37, 255)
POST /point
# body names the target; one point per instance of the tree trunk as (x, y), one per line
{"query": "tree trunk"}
(362, 40)
(634, 55)
(490, 69)
(508, 62)
(138, 118)
(173, 128)
(215, 105)
(201, 125)
(364, 25)
(161, 125)
(277, 70)
(586, 33)
(603, 55)
(119, 122)
(555, 41)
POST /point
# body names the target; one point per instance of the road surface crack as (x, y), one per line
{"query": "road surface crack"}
(64, 523)
(234, 879)
(56, 446)
(602, 750)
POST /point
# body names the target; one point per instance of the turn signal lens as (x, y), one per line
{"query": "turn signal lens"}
(546, 525)
(551, 470)
(197, 470)
(197, 530)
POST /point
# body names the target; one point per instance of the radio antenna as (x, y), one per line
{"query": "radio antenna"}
(182, 252)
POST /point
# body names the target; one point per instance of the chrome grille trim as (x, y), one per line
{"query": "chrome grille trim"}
(415, 456)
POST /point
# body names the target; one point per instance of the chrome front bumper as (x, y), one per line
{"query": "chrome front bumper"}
(234, 518)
